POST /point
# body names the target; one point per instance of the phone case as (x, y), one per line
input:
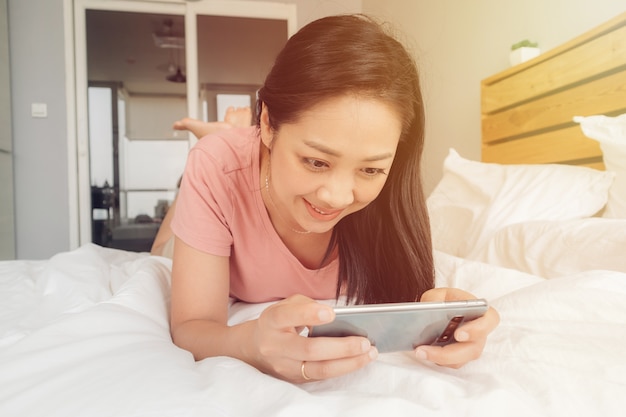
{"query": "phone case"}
(402, 326)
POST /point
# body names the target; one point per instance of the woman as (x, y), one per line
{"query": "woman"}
(321, 199)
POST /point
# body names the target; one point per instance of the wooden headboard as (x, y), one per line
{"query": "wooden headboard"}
(527, 110)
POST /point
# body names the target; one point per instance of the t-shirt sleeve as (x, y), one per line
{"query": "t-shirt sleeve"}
(204, 205)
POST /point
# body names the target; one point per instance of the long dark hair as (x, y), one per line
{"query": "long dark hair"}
(385, 251)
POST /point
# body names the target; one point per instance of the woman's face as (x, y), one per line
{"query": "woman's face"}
(333, 161)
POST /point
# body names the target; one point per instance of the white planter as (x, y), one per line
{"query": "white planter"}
(523, 54)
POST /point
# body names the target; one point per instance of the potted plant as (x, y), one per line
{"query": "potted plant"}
(523, 51)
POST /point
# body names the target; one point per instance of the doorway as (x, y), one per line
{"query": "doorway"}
(159, 63)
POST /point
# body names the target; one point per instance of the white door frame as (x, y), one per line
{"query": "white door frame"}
(76, 73)
(252, 9)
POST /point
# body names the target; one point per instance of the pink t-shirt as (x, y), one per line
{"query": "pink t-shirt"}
(219, 210)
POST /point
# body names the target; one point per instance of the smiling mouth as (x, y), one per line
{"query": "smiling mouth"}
(318, 210)
(322, 214)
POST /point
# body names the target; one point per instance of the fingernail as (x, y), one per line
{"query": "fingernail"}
(324, 315)
(461, 336)
(373, 353)
(421, 354)
(365, 345)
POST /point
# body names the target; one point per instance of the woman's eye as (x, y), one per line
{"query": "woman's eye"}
(315, 163)
(373, 171)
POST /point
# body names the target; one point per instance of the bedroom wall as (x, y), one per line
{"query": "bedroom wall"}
(459, 43)
(39, 144)
(43, 222)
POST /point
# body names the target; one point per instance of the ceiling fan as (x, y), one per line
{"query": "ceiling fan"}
(178, 77)
(167, 38)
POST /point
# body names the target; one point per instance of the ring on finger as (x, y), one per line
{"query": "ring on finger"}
(303, 372)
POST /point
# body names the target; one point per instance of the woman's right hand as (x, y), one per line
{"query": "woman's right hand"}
(278, 349)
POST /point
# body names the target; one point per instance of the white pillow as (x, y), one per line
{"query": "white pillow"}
(552, 249)
(611, 133)
(474, 200)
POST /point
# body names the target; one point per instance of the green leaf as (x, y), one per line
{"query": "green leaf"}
(524, 43)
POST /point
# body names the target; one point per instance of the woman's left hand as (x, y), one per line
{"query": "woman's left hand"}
(470, 336)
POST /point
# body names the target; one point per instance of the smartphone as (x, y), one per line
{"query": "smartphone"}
(402, 326)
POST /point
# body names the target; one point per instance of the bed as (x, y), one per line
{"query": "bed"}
(85, 333)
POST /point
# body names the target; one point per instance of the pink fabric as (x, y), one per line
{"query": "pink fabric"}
(220, 211)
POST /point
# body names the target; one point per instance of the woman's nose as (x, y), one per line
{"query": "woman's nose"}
(337, 192)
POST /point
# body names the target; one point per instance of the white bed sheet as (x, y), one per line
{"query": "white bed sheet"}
(86, 334)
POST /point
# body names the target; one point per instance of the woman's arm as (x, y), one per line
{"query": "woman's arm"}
(272, 343)
(199, 299)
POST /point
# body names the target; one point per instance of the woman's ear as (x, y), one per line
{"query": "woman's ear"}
(267, 133)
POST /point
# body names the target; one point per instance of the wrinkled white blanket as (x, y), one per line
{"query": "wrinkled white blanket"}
(85, 333)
